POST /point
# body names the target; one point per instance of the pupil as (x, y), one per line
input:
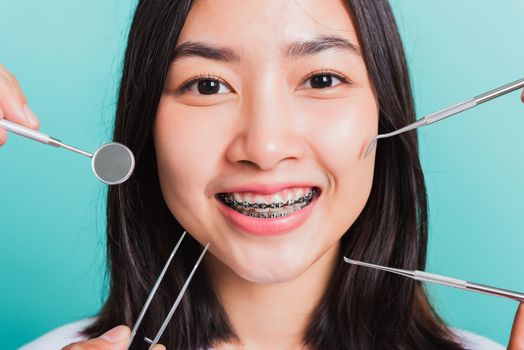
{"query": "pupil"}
(208, 87)
(321, 81)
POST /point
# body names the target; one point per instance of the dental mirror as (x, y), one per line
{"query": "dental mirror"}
(112, 163)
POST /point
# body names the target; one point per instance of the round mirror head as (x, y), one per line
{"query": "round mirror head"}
(113, 163)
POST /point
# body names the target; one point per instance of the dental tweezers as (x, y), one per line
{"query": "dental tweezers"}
(178, 299)
(443, 280)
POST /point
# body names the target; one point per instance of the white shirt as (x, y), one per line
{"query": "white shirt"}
(69, 333)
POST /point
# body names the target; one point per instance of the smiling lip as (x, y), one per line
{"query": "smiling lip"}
(268, 227)
(264, 189)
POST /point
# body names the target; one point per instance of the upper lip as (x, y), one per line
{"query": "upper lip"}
(266, 189)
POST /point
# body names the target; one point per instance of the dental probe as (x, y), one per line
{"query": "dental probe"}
(443, 280)
(451, 110)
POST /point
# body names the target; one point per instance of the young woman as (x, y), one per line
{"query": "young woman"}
(231, 104)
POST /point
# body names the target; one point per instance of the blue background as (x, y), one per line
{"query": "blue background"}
(67, 57)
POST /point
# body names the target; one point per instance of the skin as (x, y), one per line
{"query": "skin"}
(269, 126)
(266, 126)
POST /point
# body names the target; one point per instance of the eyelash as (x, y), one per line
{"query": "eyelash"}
(188, 83)
(342, 78)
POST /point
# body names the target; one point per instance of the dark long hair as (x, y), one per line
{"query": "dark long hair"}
(363, 308)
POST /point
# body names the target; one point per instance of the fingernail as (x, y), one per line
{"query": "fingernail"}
(116, 334)
(30, 116)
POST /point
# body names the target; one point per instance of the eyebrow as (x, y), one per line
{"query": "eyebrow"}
(200, 49)
(293, 50)
(317, 45)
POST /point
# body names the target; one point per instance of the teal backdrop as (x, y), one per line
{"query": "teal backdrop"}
(67, 56)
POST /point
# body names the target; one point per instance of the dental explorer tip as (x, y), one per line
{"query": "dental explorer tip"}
(370, 147)
(350, 261)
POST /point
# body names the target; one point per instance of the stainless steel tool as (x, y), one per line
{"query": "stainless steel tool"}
(443, 280)
(112, 163)
(449, 111)
(178, 299)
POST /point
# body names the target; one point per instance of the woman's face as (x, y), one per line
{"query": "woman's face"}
(267, 108)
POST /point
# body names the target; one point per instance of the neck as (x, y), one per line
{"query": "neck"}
(271, 316)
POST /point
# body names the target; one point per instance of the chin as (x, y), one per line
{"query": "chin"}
(268, 276)
(271, 270)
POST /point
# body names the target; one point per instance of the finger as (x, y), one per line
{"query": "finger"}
(114, 339)
(3, 137)
(516, 341)
(3, 133)
(5, 72)
(522, 96)
(14, 103)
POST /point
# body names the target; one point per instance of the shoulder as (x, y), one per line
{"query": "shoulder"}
(59, 337)
(475, 341)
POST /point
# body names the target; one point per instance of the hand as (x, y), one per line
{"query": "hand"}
(114, 339)
(13, 104)
(516, 341)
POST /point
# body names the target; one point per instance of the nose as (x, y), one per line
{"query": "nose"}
(269, 133)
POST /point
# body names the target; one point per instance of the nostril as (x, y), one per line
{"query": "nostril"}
(249, 163)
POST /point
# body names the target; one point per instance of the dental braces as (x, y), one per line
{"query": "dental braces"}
(154, 341)
(245, 205)
(267, 215)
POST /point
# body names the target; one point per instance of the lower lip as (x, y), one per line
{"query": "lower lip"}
(268, 227)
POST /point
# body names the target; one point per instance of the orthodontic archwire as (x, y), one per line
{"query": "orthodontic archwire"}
(444, 280)
(449, 111)
(178, 299)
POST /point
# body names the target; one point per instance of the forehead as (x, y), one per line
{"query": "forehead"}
(265, 25)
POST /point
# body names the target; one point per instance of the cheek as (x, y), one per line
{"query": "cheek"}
(340, 139)
(181, 145)
(342, 129)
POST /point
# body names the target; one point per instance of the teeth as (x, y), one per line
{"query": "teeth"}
(277, 199)
(269, 206)
(259, 200)
(262, 210)
(237, 197)
(281, 197)
(290, 197)
(267, 215)
(298, 194)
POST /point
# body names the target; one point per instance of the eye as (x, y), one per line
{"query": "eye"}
(206, 85)
(324, 80)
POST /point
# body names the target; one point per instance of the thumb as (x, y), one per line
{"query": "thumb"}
(516, 341)
(118, 338)
(114, 339)
(116, 335)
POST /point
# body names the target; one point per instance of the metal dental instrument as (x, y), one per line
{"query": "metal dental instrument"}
(451, 110)
(443, 280)
(153, 291)
(178, 299)
(112, 163)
